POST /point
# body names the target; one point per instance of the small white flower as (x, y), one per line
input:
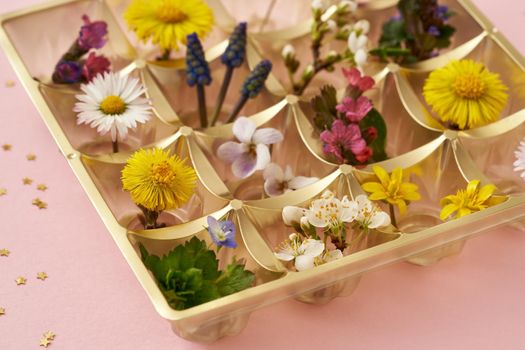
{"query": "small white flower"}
(332, 26)
(292, 215)
(329, 211)
(329, 256)
(318, 4)
(368, 215)
(348, 5)
(112, 103)
(356, 42)
(360, 57)
(519, 164)
(288, 51)
(252, 152)
(277, 181)
(304, 252)
(362, 26)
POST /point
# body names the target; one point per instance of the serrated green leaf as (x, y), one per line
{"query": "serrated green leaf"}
(234, 279)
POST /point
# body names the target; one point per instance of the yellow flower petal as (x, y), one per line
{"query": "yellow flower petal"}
(373, 187)
(382, 175)
(447, 211)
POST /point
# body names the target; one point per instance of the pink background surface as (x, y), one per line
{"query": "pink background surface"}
(92, 301)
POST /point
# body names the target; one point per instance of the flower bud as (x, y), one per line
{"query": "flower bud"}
(308, 72)
(347, 6)
(362, 26)
(288, 51)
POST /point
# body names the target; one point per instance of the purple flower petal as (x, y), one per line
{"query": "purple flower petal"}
(231, 151)
(244, 165)
(267, 136)
(243, 129)
(273, 187)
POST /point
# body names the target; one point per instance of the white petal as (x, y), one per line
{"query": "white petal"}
(288, 174)
(273, 171)
(243, 129)
(292, 215)
(360, 57)
(312, 247)
(304, 262)
(267, 136)
(362, 25)
(314, 220)
(231, 151)
(263, 156)
(333, 255)
(379, 219)
(301, 181)
(284, 256)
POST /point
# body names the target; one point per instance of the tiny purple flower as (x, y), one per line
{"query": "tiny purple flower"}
(67, 72)
(443, 13)
(434, 31)
(222, 232)
(92, 34)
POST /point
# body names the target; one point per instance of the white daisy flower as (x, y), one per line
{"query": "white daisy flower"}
(112, 103)
(519, 164)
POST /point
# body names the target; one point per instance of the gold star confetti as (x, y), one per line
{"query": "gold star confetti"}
(4, 252)
(39, 203)
(2, 311)
(49, 335)
(7, 147)
(20, 280)
(41, 276)
(45, 342)
(10, 83)
(3, 191)
(31, 157)
(27, 181)
(41, 187)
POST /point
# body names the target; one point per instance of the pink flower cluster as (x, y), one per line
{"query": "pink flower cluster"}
(345, 134)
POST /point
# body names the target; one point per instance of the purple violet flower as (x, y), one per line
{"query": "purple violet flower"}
(67, 72)
(92, 34)
(343, 138)
(434, 31)
(222, 232)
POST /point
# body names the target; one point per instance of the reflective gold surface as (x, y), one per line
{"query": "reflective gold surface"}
(439, 161)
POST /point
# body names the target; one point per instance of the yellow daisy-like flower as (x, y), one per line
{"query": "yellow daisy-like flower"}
(473, 199)
(392, 189)
(157, 180)
(465, 94)
(168, 22)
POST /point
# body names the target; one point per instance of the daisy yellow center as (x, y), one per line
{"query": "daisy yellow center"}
(170, 14)
(113, 105)
(162, 174)
(469, 86)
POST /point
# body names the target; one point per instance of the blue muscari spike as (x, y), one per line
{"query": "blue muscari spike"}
(234, 54)
(197, 69)
(255, 81)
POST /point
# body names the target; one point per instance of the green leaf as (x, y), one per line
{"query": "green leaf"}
(374, 119)
(189, 274)
(234, 279)
(394, 34)
(324, 107)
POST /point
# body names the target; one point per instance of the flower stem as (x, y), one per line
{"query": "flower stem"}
(150, 218)
(222, 94)
(115, 145)
(392, 215)
(201, 96)
(240, 104)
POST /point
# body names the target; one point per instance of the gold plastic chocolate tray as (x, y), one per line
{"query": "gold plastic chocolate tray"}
(441, 161)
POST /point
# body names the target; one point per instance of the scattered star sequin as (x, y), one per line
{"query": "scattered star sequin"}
(6, 147)
(41, 187)
(39, 203)
(3, 191)
(27, 181)
(2, 311)
(20, 280)
(4, 252)
(10, 83)
(41, 276)
(47, 339)
(31, 157)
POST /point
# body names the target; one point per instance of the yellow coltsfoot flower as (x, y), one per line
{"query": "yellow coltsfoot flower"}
(474, 198)
(157, 180)
(465, 94)
(167, 23)
(391, 189)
